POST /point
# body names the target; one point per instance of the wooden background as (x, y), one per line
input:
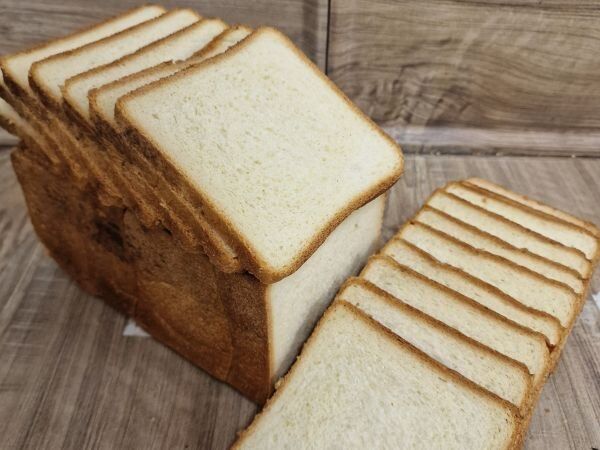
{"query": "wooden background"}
(454, 78)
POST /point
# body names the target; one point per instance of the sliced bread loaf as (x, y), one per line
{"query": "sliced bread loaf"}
(483, 293)
(47, 77)
(485, 241)
(461, 313)
(523, 285)
(551, 227)
(538, 206)
(177, 46)
(489, 369)
(357, 385)
(265, 96)
(511, 232)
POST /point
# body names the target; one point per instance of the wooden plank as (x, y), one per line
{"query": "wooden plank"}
(462, 76)
(70, 379)
(27, 23)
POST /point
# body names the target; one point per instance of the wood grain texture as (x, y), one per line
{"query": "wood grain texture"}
(491, 75)
(27, 23)
(70, 379)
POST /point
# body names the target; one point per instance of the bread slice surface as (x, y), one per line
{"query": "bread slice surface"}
(460, 313)
(495, 372)
(482, 240)
(534, 204)
(483, 293)
(525, 286)
(299, 140)
(16, 66)
(357, 385)
(511, 232)
(177, 46)
(48, 76)
(104, 98)
(551, 227)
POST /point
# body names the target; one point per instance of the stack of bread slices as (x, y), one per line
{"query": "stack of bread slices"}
(206, 179)
(447, 336)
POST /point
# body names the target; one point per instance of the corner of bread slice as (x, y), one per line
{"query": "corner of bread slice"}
(354, 363)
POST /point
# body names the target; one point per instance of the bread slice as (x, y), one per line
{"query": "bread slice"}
(256, 191)
(503, 376)
(49, 75)
(511, 232)
(523, 285)
(142, 174)
(538, 206)
(485, 294)
(16, 67)
(177, 46)
(461, 313)
(551, 227)
(81, 152)
(480, 239)
(358, 385)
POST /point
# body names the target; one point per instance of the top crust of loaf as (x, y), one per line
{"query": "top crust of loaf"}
(362, 319)
(11, 64)
(534, 204)
(261, 259)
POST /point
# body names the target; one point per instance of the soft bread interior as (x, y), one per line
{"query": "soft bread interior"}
(51, 74)
(538, 206)
(532, 291)
(459, 313)
(411, 256)
(502, 376)
(565, 233)
(356, 386)
(17, 65)
(510, 232)
(297, 301)
(484, 241)
(177, 46)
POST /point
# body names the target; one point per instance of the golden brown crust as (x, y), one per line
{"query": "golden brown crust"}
(217, 321)
(490, 256)
(398, 303)
(520, 228)
(392, 337)
(488, 288)
(591, 227)
(533, 211)
(504, 244)
(250, 260)
(217, 39)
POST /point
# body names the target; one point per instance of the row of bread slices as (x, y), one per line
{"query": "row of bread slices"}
(60, 99)
(208, 130)
(477, 294)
